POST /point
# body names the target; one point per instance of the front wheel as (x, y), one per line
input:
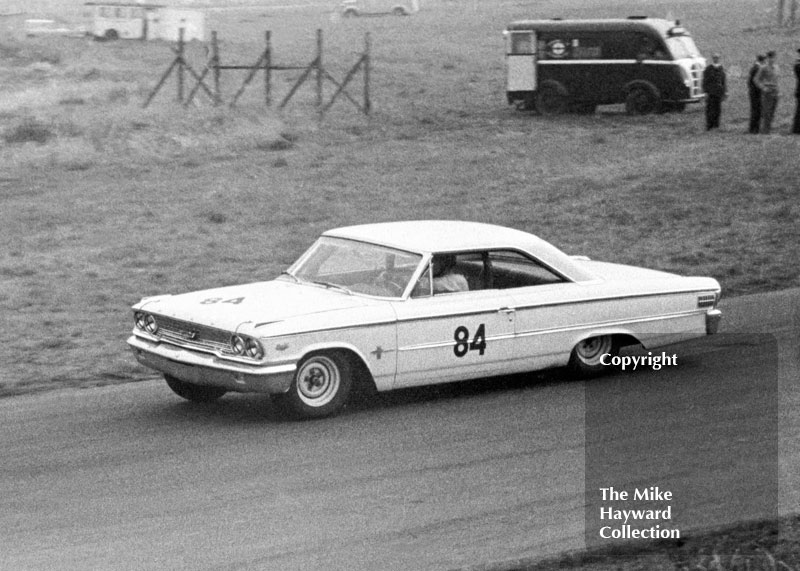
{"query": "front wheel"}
(587, 356)
(642, 100)
(194, 393)
(320, 388)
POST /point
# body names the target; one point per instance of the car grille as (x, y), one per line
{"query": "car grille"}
(194, 336)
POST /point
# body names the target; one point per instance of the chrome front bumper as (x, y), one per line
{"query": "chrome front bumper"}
(208, 370)
(713, 319)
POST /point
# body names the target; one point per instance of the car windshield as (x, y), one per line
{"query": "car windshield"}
(356, 267)
(682, 47)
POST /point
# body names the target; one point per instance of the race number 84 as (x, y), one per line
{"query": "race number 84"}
(464, 345)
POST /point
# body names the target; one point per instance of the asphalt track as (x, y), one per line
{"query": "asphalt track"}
(476, 475)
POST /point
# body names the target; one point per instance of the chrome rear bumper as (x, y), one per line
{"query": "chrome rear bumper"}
(713, 319)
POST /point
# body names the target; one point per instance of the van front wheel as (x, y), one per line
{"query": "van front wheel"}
(642, 100)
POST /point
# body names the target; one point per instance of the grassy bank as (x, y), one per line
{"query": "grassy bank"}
(103, 202)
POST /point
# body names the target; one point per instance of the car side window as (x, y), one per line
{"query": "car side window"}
(453, 273)
(510, 269)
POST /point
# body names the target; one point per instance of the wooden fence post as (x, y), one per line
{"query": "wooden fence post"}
(268, 68)
(216, 63)
(181, 65)
(367, 48)
(320, 71)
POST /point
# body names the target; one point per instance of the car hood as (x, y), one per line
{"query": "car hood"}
(260, 303)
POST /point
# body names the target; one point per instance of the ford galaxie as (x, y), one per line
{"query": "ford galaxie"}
(401, 304)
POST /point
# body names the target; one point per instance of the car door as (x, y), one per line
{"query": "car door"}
(453, 336)
(544, 316)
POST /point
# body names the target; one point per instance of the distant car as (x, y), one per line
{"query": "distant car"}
(400, 304)
(352, 8)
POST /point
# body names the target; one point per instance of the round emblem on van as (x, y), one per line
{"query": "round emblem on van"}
(557, 48)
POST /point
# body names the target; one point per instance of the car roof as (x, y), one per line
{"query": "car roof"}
(441, 236)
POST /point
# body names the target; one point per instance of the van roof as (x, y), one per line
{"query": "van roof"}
(663, 27)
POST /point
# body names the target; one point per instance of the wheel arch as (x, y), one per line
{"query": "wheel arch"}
(621, 337)
(639, 84)
(554, 83)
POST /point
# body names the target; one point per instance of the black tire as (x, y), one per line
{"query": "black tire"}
(642, 99)
(320, 388)
(194, 393)
(111, 35)
(551, 99)
(350, 13)
(584, 108)
(528, 103)
(586, 357)
(398, 11)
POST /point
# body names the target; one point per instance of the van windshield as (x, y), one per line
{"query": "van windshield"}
(682, 47)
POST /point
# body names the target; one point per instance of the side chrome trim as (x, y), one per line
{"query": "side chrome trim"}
(613, 323)
(611, 298)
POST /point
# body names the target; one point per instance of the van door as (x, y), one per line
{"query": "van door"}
(521, 61)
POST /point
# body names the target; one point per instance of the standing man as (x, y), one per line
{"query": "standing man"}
(796, 125)
(767, 81)
(715, 88)
(755, 94)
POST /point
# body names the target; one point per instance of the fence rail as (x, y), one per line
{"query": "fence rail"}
(181, 67)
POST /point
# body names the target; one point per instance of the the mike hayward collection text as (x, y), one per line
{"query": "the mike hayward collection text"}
(628, 523)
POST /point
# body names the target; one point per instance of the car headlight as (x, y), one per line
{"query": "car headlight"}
(246, 346)
(254, 348)
(145, 322)
(139, 319)
(238, 344)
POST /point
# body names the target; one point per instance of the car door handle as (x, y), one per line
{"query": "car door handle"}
(507, 310)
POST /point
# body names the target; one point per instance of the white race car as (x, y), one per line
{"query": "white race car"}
(401, 304)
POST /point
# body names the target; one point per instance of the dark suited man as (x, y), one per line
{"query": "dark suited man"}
(755, 94)
(714, 85)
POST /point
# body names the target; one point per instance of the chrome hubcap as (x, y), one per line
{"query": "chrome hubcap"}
(318, 381)
(591, 350)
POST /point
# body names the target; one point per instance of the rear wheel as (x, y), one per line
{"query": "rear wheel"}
(587, 356)
(551, 99)
(194, 393)
(111, 35)
(398, 11)
(320, 388)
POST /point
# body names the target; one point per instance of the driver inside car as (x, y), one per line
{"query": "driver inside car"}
(445, 277)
